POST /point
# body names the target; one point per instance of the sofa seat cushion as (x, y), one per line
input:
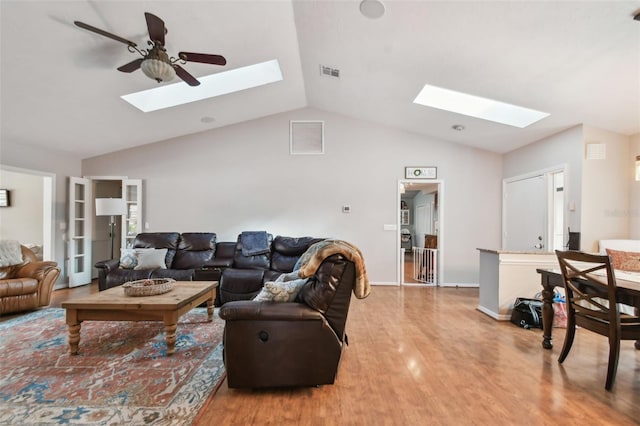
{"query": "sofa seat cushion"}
(18, 287)
(120, 276)
(176, 274)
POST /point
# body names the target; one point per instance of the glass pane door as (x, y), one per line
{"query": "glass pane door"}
(132, 221)
(79, 231)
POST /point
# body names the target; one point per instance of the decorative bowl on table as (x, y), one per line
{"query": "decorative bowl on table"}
(148, 287)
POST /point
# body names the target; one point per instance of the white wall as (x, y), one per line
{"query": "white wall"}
(634, 191)
(562, 148)
(60, 164)
(22, 220)
(242, 177)
(605, 189)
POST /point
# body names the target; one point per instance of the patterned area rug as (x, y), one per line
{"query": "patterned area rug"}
(121, 374)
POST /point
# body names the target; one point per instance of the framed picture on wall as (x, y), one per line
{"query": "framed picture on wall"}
(4, 198)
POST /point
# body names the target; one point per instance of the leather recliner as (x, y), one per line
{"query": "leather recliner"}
(282, 344)
(28, 285)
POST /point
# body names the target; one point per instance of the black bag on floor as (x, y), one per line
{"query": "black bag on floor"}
(527, 313)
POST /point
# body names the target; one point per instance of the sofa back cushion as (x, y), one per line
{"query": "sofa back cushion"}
(194, 250)
(159, 240)
(285, 251)
(259, 261)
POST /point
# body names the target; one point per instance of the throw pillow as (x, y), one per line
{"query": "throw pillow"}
(128, 258)
(625, 260)
(280, 291)
(151, 259)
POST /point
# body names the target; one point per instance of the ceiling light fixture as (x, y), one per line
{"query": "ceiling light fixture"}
(157, 65)
(372, 9)
(478, 107)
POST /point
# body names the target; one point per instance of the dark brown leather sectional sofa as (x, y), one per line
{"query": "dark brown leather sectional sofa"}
(266, 343)
(198, 256)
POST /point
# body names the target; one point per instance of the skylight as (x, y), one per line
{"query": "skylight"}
(475, 106)
(218, 84)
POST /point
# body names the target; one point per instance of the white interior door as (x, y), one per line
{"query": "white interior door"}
(525, 214)
(80, 225)
(132, 221)
(424, 220)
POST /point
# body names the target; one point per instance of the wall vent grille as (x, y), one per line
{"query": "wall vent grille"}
(329, 72)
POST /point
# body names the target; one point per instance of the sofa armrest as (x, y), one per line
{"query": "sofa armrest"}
(37, 270)
(248, 310)
(104, 268)
(108, 265)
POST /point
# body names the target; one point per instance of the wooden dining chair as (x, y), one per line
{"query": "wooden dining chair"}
(591, 295)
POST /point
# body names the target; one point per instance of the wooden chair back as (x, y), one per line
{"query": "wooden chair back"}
(591, 295)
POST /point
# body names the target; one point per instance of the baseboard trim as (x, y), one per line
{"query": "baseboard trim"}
(492, 314)
(468, 285)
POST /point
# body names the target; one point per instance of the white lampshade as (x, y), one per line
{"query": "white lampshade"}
(110, 206)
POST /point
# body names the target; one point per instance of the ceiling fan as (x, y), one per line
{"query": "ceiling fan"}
(155, 63)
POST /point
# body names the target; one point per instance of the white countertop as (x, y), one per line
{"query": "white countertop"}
(494, 251)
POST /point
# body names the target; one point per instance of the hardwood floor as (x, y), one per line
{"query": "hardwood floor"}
(426, 356)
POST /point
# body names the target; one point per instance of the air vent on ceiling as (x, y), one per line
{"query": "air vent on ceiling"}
(329, 72)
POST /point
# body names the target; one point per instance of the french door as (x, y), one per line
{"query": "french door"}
(80, 225)
(132, 221)
(81, 216)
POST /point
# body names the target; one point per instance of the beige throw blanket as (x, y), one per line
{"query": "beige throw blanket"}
(10, 253)
(317, 253)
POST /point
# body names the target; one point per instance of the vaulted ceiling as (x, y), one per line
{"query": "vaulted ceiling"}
(577, 60)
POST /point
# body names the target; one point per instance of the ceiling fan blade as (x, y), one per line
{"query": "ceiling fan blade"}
(183, 74)
(156, 27)
(104, 33)
(203, 57)
(131, 66)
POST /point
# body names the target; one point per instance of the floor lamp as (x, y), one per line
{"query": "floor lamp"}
(111, 207)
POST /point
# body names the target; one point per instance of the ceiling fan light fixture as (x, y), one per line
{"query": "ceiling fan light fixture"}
(158, 70)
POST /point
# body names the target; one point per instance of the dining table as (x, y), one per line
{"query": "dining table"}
(628, 293)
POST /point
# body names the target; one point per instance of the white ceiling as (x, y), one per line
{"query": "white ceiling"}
(578, 60)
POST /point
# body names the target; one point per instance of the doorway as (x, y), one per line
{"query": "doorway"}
(419, 225)
(31, 217)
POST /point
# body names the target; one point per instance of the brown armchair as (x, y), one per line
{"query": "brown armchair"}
(27, 285)
(275, 344)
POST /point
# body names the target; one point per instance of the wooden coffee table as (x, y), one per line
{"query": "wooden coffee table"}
(113, 305)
